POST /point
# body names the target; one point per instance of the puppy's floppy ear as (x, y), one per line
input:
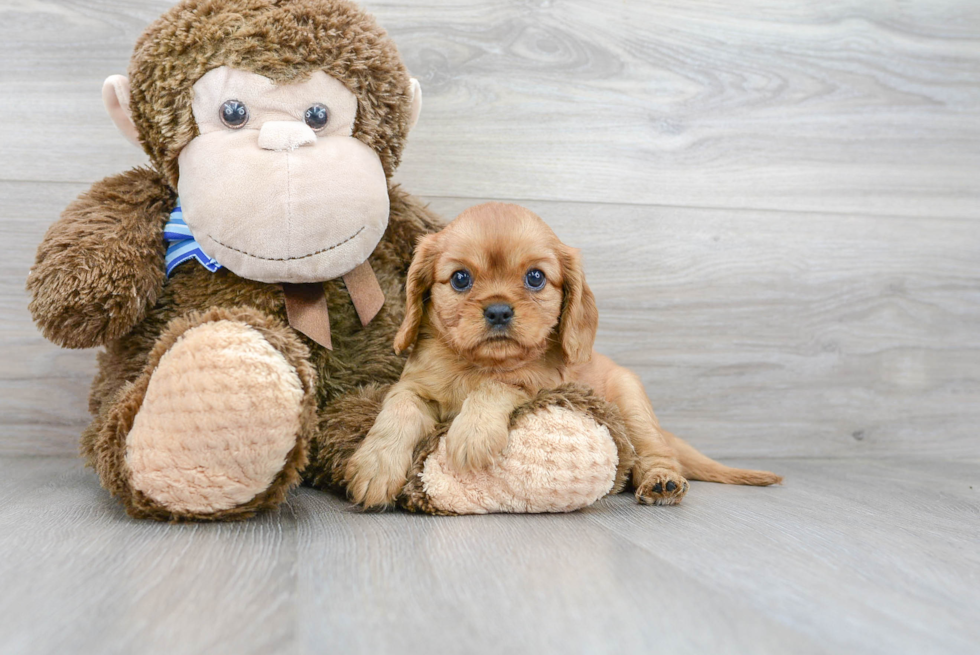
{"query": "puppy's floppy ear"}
(579, 315)
(420, 278)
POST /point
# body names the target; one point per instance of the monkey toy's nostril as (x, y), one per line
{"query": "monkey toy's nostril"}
(499, 315)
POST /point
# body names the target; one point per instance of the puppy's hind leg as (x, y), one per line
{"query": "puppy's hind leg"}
(657, 474)
(697, 466)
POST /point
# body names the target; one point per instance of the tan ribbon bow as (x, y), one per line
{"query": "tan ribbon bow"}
(306, 306)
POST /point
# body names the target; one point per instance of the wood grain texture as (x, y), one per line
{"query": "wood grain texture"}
(848, 106)
(848, 556)
(43, 389)
(851, 106)
(79, 576)
(842, 547)
(506, 584)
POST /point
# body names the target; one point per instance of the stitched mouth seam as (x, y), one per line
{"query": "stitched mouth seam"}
(288, 259)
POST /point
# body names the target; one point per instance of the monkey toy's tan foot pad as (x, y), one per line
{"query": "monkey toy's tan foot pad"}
(216, 429)
(566, 450)
(221, 413)
(661, 486)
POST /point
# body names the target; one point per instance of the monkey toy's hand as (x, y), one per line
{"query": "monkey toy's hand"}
(101, 265)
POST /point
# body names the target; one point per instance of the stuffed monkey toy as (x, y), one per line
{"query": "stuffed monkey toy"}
(247, 286)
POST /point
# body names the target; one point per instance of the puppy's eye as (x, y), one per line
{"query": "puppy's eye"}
(534, 280)
(316, 117)
(234, 114)
(461, 280)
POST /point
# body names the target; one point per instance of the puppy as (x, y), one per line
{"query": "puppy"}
(498, 309)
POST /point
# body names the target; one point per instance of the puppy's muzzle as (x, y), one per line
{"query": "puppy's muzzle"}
(499, 315)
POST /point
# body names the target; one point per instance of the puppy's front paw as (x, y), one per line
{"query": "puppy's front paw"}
(473, 442)
(375, 477)
(661, 486)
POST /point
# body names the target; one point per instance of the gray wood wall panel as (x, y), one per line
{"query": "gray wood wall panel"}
(851, 106)
(43, 397)
(763, 104)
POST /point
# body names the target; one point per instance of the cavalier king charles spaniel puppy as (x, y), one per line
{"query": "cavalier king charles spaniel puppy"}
(497, 310)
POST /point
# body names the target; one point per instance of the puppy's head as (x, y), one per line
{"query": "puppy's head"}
(500, 288)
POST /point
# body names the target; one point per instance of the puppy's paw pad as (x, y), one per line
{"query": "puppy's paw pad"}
(661, 487)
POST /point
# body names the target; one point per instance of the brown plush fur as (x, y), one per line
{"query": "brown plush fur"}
(343, 425)
(412, 496)
(98, 269)
(99, 274)
(361, 355)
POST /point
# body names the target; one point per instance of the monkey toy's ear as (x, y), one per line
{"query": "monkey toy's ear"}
(416, 104)
(115, 95)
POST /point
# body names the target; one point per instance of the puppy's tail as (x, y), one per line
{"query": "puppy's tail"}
(696, 466)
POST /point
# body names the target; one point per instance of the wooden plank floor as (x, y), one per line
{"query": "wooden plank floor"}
(779, 212)
(848, 556)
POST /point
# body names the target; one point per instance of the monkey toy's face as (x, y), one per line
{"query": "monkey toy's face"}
(275, 187)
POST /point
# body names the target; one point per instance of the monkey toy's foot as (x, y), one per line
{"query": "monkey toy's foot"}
(567, 448)
(217, 427)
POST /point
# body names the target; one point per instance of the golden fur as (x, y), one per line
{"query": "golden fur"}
(465, 371)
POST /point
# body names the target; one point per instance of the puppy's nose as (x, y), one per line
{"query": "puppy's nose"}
(499, 315)
(285, 135)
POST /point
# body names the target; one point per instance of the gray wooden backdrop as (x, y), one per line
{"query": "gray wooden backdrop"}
(778, 202)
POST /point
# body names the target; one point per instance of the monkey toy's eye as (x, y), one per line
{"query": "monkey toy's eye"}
(316, 117)
(234, 114)
(534, 280)
(461, 280)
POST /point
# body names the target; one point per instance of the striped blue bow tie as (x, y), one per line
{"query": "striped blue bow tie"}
(181, 244)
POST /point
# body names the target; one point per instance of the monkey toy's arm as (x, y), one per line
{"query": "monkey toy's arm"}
(101, 265)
